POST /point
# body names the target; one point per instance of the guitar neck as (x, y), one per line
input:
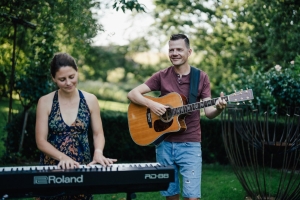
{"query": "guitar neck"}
(195, 106)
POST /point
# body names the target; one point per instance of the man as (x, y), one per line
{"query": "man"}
(182, 150)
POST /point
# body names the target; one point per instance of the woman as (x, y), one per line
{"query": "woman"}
(62, 121)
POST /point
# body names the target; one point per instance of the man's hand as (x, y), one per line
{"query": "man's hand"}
(221, 103)
(158, 108)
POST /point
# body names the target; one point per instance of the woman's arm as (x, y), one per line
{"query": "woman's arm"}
(98, 134)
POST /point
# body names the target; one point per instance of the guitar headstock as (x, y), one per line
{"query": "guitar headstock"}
(243, 95)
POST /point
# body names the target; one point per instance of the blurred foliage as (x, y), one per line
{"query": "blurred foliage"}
(279, 87)
(102, 60)
(229, 35)
(284, 84)
(30, 151)
(119, 143)
(275, 30)
(128, 4)
(42, 28)
(107, 91)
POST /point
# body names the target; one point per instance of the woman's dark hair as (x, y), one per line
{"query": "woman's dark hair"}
(181, 36)
(61, 60)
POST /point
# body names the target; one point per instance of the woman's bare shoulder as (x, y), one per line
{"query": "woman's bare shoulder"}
(47, 97)
(89, 96)
(91, 99)
(46, 101)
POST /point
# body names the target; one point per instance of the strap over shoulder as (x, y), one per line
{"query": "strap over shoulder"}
(194, 83)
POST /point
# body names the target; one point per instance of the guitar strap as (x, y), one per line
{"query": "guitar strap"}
(194, 83)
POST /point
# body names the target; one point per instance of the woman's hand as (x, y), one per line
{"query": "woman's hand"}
(67, 163)
(101, 159)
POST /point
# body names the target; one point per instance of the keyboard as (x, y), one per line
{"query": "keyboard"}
(32, 181)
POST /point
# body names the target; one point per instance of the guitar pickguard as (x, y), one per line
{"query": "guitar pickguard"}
(160, 126)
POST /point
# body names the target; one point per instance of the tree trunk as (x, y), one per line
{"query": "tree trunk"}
(26, 113)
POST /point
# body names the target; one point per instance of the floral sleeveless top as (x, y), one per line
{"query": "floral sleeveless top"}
(71, 140)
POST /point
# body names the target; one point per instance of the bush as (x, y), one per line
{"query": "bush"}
(118, 141)
(276, 89)
(29, 151)
(284, 84)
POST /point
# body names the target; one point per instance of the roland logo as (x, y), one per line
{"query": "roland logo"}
(156, 176)
(57, 179)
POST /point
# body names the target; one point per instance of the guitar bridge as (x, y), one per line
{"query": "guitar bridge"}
(149, 118)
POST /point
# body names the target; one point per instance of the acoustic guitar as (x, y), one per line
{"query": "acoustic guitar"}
(147, 128)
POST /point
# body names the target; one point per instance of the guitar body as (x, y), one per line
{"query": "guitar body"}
(147, 128)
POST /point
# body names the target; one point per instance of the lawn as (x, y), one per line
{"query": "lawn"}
(218, 183)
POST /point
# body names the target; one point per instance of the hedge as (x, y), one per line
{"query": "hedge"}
(118, 142)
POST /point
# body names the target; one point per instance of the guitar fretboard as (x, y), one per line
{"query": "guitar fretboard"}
(194, 106)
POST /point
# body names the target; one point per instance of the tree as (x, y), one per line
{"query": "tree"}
(276, 31)
(219, 41)
(231, 37)
(61, 25)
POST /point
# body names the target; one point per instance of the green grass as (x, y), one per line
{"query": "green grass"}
(113, 106)
(218, 183)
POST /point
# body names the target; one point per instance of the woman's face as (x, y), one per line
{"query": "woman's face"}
(66, 78)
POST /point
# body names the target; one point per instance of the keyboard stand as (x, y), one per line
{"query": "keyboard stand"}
(130, 196)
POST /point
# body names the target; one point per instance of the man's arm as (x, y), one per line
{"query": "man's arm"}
(136, 96)
(212, 112)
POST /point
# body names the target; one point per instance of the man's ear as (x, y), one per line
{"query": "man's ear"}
(190, 52)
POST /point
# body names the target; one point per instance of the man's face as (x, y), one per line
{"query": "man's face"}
(178, 52)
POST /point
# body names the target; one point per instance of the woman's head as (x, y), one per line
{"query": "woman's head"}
(64, 72)
(61, 60)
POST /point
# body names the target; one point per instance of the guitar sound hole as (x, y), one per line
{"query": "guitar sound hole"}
(167, 116)
(160, 126)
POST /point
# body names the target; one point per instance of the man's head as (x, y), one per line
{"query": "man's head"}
(181, 36)
(179, 50)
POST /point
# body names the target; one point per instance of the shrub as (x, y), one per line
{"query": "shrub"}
(118, 141)
(29, 152)
(284, 84)
(276, 89)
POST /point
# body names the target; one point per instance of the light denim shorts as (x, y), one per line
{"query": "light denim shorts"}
(186, 157)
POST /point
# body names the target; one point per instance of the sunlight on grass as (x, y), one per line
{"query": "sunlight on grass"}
(113, 106)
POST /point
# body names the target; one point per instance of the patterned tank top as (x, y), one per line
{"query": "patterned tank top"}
(71, 140)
